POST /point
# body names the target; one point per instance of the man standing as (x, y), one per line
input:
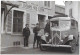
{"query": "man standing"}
(36, 37)
(47, 30)
(26, 34)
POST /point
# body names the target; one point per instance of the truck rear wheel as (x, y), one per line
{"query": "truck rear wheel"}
(73, 45)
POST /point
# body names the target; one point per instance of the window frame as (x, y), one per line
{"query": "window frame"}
(18, 17)
(74, 24)
(70, 2)
(24, 12)
(55, 23)
(47, 4)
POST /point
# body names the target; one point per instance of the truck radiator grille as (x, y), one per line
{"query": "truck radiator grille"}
(56, 37)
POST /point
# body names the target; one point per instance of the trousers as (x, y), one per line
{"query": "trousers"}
(26, 40)
(36, 38)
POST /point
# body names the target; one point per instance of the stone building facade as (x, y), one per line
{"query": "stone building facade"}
(29, 12)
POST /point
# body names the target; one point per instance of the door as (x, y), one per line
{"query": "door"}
(41, 19)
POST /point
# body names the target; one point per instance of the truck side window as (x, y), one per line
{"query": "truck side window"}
(76, 24)
(55, 24)
(73, 24)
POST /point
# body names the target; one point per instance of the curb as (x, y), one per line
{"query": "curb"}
(29, 47)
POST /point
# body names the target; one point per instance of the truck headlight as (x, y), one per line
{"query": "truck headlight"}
(43, 37)
(46, 34)
(70, 37)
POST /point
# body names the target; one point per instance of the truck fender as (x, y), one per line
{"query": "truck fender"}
(70, 37)
(43, 37)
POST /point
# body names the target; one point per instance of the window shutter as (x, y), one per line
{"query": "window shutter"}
(48, 3)
(9, 22)
(45, 3)
(28, 18)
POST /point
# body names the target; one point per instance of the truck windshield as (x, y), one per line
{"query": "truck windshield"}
(64, 24)
(60, 25)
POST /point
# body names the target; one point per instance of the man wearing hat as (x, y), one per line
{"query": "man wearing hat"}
(36, 37)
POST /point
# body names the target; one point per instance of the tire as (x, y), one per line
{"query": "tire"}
(73, 46)
(43, 48)
(77, 42)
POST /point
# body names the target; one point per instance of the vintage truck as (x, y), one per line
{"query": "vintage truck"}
(63, 33)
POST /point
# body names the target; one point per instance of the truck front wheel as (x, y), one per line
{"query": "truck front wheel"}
(43, 48)
(73, 45)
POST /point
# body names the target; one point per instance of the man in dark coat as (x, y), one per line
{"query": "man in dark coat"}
(47, 30)
(26, 34)
(36, 37)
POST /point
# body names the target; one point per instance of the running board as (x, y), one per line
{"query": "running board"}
(55, 45)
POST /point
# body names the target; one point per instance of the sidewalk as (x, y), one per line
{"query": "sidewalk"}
(30, 46)
(15, 47)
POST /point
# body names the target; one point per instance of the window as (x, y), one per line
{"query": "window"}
(76, 24)
(17, 21)
(55, 24)
(70, 13)
(64, 23)
(47, 3)
(70, 2)
(72, 22)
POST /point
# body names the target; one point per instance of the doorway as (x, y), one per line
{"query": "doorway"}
(41, 19)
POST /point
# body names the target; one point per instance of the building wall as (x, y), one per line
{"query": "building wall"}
(79, 16)
(59, 9)
(7, 40)
(74, 5)
(30, 7)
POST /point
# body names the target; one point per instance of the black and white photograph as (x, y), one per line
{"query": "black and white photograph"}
(40, 27)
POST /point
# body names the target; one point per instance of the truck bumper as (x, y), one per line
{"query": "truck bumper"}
(51, 45)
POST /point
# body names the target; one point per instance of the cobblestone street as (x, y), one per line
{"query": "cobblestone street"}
(31, 50)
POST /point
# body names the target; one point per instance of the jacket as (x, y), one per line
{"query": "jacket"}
(36, 30)
(47, 28)
(26, 32)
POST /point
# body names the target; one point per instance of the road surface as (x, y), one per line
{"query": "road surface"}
(20, 50)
